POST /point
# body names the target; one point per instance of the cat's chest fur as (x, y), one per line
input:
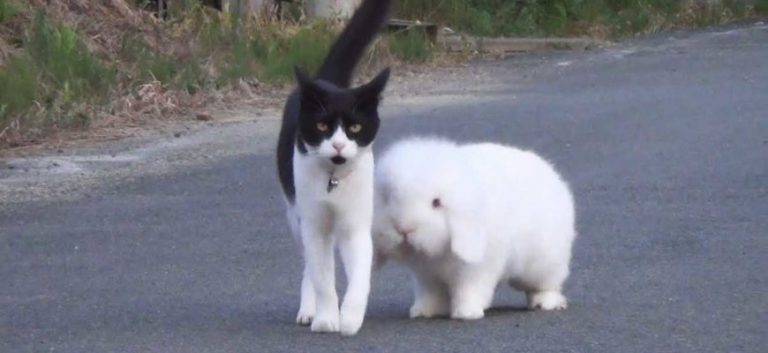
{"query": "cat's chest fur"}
(354, 182)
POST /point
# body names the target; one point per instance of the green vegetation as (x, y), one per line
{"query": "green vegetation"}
(243, 47)
(411, 46)
(64, 63)
(57, 73)
(54, 80)
(63, 66)
(609, 18)
(7, 9)
(306, 48)
(761, 7)
(18, 89)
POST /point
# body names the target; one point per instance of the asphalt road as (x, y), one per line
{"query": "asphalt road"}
(665, 144)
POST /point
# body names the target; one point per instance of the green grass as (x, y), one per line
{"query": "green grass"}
(53, 80)
(306, 48)
(65, 62)
(18, 89)
(410, 46)
(8, 9)
(761, 7)
(246, 49)
(614, 18)
(68, 73)
(55, 71)
(145, 64)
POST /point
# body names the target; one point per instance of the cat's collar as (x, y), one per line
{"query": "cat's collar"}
(336, 176)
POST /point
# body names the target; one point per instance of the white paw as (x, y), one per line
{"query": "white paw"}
(426, 310)
(547, 301)
(467, 313)
(304, 317)
(325, 324)
(351, 320)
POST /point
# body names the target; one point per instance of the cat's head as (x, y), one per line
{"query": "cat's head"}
(336, 123)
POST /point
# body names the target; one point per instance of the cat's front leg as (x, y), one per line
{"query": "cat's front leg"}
(430, 297)
(356, 253)
(307, 305)
(318, 252)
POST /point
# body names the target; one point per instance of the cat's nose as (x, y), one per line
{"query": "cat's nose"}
(338, 146)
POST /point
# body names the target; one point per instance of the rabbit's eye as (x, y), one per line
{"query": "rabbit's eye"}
(436, 203)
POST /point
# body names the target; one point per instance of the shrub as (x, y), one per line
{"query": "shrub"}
(65, 62)
(761, 7)
(7, 9)
(18, 89)
(411, 46)
(306, 48)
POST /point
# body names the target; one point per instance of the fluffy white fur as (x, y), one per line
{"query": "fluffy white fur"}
(465, 218)
(323, 221)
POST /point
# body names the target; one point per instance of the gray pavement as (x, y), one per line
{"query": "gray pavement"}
(665, 144)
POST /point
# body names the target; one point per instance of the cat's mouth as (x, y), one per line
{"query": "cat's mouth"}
(337, 160)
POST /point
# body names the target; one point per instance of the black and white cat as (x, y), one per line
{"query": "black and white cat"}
(325, 163)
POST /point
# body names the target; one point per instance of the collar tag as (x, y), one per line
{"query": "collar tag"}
(333, 182)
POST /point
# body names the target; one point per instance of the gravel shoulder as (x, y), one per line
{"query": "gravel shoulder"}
(87, 166)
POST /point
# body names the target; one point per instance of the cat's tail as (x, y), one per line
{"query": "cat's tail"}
(362, 28)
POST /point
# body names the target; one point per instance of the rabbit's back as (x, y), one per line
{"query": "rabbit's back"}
(527, 202)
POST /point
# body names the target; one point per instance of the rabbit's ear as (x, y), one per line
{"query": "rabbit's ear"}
(468, 235)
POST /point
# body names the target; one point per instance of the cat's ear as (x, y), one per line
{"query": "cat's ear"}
(311, 93)
(368, 95)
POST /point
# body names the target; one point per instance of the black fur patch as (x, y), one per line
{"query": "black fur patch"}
(326, 98)
(321, 102)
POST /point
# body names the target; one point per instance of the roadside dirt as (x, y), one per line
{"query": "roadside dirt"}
(82, 164)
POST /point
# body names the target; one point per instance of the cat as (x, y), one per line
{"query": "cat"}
(325, 164)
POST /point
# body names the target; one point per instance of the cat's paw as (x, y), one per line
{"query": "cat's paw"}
(325, 324)
(547, 301)
(427, 310)
(467, 312)
(304, 317)
(351, 321)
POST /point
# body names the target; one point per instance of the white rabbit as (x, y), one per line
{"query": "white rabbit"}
(465, 218)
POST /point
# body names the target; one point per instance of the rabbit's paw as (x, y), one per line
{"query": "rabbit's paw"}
(467, 312)
(427, 309)
(547, 301)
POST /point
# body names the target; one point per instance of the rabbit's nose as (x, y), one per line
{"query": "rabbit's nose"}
(404, 231)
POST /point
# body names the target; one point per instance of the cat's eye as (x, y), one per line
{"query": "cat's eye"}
(355, 128)
(436, 203)
(322, 127)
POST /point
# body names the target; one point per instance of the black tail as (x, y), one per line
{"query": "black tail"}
(346, 52)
